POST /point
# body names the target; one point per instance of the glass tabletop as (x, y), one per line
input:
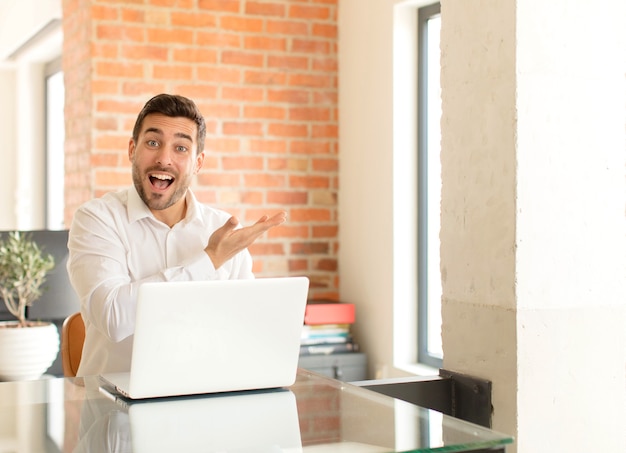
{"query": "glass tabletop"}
(315, 415)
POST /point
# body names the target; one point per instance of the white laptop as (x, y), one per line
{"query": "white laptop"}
(214, 336)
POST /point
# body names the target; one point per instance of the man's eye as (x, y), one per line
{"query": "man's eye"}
(182, 149)
(153, 143)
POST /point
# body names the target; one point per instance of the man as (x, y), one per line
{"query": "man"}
(154, 231)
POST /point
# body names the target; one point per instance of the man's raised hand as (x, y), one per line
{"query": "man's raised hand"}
(228, 240)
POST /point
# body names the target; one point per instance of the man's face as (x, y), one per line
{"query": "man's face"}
(164, 160)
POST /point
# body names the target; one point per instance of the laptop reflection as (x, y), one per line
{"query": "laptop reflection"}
(260, 421)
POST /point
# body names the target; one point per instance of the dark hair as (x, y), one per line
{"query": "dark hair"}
(172, 105)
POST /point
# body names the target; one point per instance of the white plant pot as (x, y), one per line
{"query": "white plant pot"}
(26, 353)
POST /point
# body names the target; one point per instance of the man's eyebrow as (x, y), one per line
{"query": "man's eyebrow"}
(156, 130)
(182, 135)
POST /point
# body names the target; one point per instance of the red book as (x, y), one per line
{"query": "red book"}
(328, 313)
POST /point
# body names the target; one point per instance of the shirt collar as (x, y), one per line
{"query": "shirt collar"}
(138, 210)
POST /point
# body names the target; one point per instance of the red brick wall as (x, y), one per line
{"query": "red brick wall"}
(264, 74)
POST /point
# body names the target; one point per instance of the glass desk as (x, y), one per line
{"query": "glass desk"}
(315, 415)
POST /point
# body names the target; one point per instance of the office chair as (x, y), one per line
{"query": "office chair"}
(72, 339)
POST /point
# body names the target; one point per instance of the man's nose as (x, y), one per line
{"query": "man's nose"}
(164, 156)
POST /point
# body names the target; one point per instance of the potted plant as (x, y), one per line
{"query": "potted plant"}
(27, 348)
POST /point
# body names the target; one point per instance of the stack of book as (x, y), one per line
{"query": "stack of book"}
(326, 328)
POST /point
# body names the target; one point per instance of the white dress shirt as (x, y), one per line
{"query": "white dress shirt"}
(115, 244)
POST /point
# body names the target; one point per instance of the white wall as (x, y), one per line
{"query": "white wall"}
(8, 154)
(30, 36)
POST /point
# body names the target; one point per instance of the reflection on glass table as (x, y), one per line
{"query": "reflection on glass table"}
(315, 415)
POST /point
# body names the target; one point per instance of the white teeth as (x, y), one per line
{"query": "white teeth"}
(162, 177)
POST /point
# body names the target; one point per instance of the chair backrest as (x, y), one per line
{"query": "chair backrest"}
(72, 339)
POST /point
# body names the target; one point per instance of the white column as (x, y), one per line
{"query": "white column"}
(533, 225)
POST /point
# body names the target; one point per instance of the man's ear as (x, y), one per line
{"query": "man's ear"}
(199, 161)
(131, 149)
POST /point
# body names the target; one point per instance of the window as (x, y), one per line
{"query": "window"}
(430, 351)
(55, 138)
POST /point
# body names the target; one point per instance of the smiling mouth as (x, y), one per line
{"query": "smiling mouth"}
(161, 182)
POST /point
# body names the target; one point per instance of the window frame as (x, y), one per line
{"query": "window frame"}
(424, 356)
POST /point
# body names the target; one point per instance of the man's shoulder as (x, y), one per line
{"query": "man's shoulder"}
(110, 202)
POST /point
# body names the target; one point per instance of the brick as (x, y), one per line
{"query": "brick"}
(328, 64)
(326, 264)
(106, 87)
(325, 231)
(309, 248)
(310, 215)
(241, 24)
(298, 265)
(218, 179)
(169, 37)
(325, 30)
(309, 181)
(231, 6)
(247, 94)
(309, 147)
(309, 114)
(118, 106)
(193, 19)
(218, 39)
(324, 197)
(106, 124)
(105, 50)
(242, 58)
(287, 197)
(326, 131)
(175, 72)
(242, 163)
(242, 128)
(252, 197)
(325, 97)
(297, 165)
(138, 52)
(309, 12)
(264, 180)
(260, 42)
(259, 248)
(123, 70)
(104, 178)
(219, 110)
(147, 89)
(104, 160)
(289, 96)
(117, 32)
(219, 74)
(195, 55)
(288, 130)
(268, 146)
(287, 231)
(310, 46)
(102, 12)
(288, 62)
(222, 144)
(112, 142)
(265, 78)
(287, 27)
(268, 112)
(133, 15)
(265, 9)
(325, 164)
(196, 91)
(312, 81)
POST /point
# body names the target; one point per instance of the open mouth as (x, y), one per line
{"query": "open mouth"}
(161, 182)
